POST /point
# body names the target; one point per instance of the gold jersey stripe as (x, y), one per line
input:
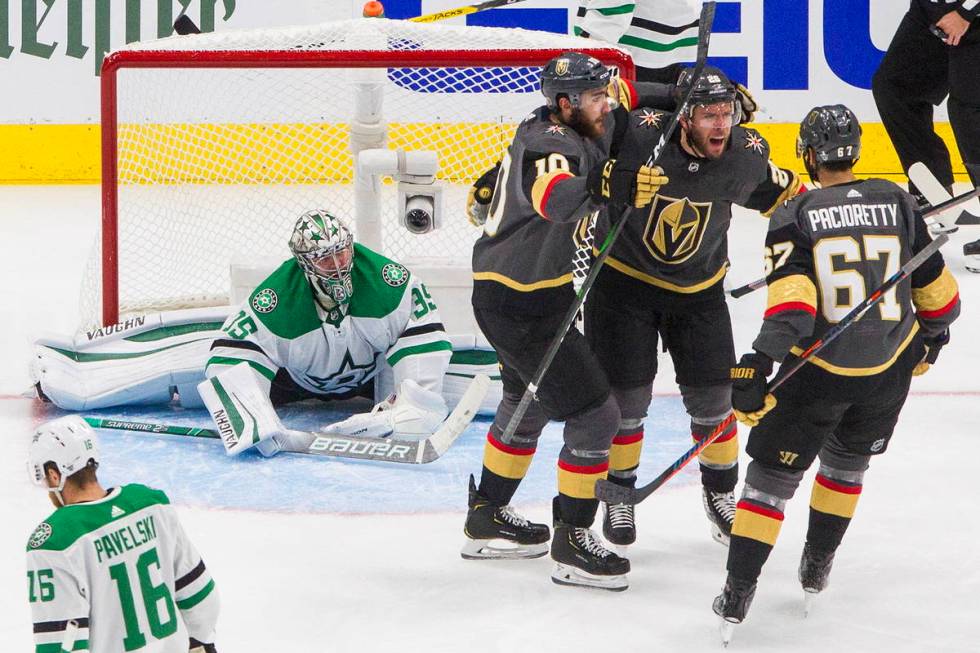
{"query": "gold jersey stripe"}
(937, 294)
(523, 287)
(794, 288)
(660, 283)
(792, 190)
(861, 371)
(541, 190)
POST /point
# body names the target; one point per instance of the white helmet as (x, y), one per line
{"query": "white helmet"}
(324, 249)
(67, 442)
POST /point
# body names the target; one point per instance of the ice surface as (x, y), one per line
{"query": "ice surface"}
(322, 555)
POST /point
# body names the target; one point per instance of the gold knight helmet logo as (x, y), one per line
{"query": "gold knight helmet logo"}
(675, 228)
(561, 67)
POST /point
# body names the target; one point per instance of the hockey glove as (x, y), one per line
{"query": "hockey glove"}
(750, 400)
(933, 346)
(625, 183)
(481, 192)
(201, 647)
(747, 102)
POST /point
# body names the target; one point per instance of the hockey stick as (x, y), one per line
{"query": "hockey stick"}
(462, 11)
(612, 493)
(346, 446)
(934, 192)
(704, 35)
(940, 204)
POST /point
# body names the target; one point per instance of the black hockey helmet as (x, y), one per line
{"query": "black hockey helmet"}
(712, 87)
(570, 74)
(833, 132)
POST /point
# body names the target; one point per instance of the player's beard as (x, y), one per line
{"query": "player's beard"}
(587, 128)
(710, 144)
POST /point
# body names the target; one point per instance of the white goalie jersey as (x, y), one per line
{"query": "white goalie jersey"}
(282, 327)
(118, 574)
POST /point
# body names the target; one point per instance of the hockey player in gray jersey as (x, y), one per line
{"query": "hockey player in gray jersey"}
(318, 327)
(664, 275)
(825, 251)
(555, 174)
(110, 570)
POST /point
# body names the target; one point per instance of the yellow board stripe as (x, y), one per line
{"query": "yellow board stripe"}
(860, 371)
(523, 287)
(63, 154)
(756, 525)
(936, 295)
(828, 500)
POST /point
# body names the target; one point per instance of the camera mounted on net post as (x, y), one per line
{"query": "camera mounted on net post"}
(419, 194)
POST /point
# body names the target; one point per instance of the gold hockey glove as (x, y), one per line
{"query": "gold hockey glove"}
(747, 102)
(750, 400)
(480, 195)
(630, 183)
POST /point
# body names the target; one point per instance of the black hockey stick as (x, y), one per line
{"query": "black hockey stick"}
(612, 493)
(704, 35)
(462, 11)
(384, 449)
(741, 291)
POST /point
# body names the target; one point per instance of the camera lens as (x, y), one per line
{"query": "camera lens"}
(419, 220)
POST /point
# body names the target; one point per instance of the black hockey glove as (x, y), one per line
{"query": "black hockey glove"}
(478, 200)
(200, 647)
(933, 346)
(749, 397)
(622, 182)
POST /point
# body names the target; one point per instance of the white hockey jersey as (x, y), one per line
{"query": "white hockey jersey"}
(118, 574)
(282, 327)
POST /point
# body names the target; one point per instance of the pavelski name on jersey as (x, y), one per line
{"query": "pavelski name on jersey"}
(125, 539)
(853, 215)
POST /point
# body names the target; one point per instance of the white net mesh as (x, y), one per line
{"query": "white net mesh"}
(215, 164)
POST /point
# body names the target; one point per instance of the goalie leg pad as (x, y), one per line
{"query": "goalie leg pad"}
(242, 411)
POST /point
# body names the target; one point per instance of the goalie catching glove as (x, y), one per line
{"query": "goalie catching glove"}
(412, 413)
(623, 182)
(933, 346)
(750, 400)
(480, 195)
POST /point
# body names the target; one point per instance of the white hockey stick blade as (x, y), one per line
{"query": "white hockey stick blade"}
(459, 419)
(929, 186)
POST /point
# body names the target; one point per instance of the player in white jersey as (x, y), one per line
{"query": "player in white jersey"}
(110, 570)
(320, 326)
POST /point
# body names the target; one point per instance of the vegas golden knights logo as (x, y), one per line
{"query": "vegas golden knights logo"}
(675, 228)
(561, 67)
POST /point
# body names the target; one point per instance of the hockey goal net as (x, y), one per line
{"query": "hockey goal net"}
(214, 144)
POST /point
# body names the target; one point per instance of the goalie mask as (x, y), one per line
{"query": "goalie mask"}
(68, 443)
(324, 249)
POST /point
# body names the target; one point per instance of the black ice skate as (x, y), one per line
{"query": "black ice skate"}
(972, 253)
(720, 508)
(815, 567)
(497, 532)
(619, 519)
(733, 604)
(582, 560)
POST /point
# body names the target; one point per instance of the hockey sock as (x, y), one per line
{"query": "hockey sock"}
(832, 505)
(576, 486)
(504, 467)
(624, 454)
(719, 460)
(754, 533)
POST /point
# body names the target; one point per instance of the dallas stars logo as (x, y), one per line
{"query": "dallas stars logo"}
(40, 535)
(394, 274)
(555, 130)
(349, 377)
(754, 142)
(650, 118)
(265, 301)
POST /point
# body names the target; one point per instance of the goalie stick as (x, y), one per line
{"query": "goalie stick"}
(934, 192)
(462, 11)
(939, 205)
(384, 449)
(612, 493)
(704, 36)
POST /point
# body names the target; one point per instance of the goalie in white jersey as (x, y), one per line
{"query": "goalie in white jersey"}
(320, 326)
(110, 570)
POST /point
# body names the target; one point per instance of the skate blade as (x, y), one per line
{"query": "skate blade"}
(575, 577)
(498, 549)
(726, 629)
(809, 600)
(718, 536)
